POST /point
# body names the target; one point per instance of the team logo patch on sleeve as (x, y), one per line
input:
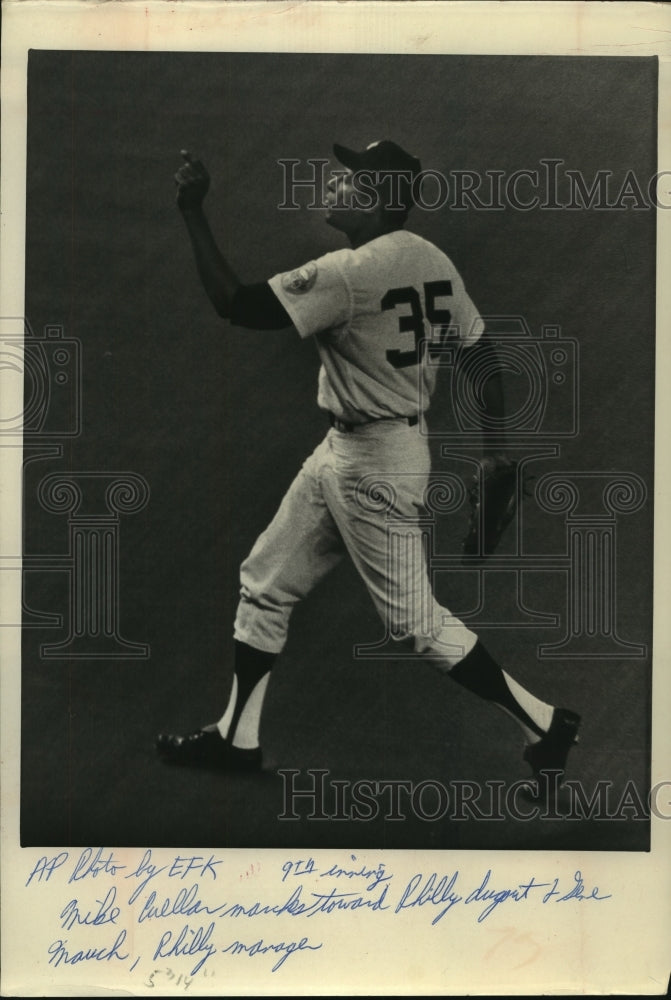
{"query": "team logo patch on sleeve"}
(301, 280)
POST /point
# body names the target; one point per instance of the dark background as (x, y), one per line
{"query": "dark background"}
(218, 420)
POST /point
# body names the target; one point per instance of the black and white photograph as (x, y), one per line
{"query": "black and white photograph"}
(343, 467)
(338, 375)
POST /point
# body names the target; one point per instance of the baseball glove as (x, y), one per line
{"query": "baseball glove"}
(493, 498)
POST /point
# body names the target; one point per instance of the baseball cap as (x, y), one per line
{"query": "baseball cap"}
(380, 156)
(383, 156)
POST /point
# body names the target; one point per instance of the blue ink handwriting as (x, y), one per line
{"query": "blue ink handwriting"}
(377, 874)
(432, 891)
(260, 948)
(577, 892)
(298, 868)
(197, 886)
(59, 953)
(106, 913)
(182, 866)
(200, 942)
(422, 889)
(498, 896)
(46, 867)
(328, 902)
(185, 904)
(146, 871)
(98, 866)
(179, 869)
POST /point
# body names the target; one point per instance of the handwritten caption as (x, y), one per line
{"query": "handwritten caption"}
(193, 907)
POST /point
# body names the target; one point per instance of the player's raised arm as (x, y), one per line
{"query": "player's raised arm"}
(218, 278)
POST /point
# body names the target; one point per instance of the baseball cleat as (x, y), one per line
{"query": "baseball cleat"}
(206, 748)
(548, 757)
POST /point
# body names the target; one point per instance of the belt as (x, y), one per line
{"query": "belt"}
(348, 428)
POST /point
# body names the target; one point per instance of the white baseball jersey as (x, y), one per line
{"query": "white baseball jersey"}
(377, 313)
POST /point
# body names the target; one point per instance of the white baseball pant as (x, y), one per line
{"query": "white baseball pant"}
(325, 514)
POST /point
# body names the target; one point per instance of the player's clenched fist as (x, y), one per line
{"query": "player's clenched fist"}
(193, 182)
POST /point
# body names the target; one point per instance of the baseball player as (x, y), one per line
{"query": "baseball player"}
(374, 310)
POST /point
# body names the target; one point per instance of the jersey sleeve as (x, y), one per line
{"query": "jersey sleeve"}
(471, 323)
(317, 296)
(256, 307)
(473, 330)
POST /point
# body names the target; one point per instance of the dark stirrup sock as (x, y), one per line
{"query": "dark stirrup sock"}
(251, 666)
(480, 673)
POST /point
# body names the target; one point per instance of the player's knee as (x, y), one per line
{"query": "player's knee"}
(261, 625)
(404, 627)
(262, 600)
(255, 582)
(446, 646)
